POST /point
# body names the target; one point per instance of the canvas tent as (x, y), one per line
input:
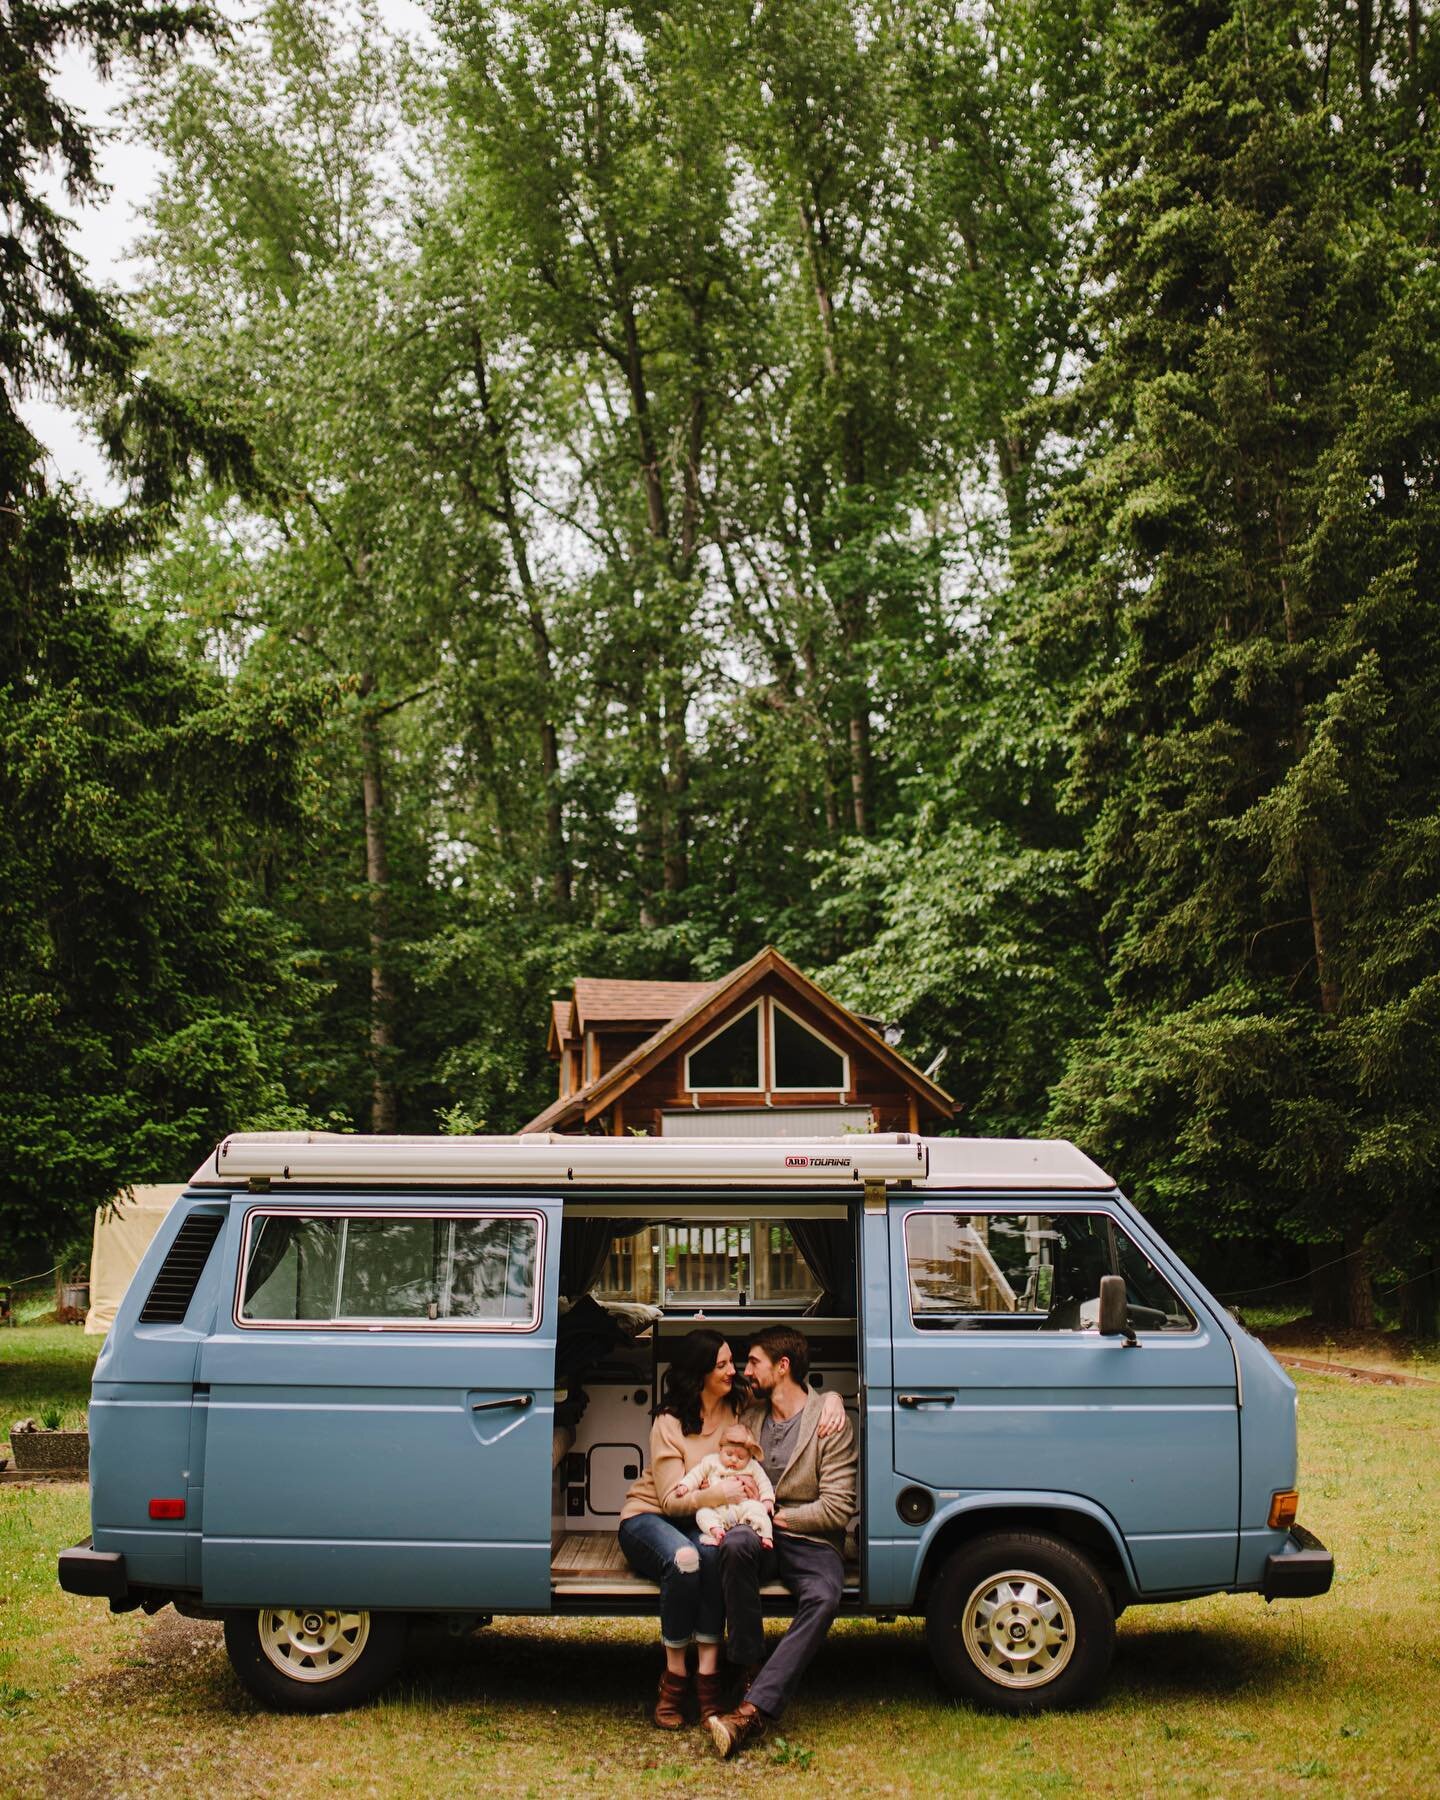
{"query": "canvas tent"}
(123, 1231)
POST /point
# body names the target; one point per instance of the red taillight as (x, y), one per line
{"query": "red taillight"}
(167, 1509)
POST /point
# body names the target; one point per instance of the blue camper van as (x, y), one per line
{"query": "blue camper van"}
(341, 1395)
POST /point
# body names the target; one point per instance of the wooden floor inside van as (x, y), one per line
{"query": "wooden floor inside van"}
(591, 1563)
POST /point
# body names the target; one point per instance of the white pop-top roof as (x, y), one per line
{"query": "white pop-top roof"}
(1002, 1164)
(536, 1157)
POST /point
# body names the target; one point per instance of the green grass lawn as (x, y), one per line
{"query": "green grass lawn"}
(1221, 1697)
(42, 1365)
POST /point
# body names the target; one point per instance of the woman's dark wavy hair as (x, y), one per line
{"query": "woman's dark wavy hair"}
(691, 1360)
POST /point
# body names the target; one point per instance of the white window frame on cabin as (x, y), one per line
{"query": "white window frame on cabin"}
(719, 1031)
(777, 1087)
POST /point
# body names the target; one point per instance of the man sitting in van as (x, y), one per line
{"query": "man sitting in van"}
(815, 1487)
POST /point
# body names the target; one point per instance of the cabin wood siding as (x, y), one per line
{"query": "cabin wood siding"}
(634, 1070)
(663, 1087)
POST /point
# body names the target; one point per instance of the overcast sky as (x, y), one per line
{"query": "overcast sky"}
(104, 233)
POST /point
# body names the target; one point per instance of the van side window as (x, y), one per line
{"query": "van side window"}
(1029, 1272)
(415, 1270)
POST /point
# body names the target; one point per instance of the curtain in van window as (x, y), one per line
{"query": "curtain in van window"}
(267, 1252)
(584, 1246)
(828, 1247)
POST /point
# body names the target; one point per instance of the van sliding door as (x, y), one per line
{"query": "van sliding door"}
(380, 1405)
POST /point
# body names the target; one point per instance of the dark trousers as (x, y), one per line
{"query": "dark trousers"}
(814, 1574)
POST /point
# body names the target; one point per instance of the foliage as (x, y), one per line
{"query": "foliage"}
(1241, 563)
(133, 783)
(944, 488)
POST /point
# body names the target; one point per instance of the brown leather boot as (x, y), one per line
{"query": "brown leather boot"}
(669, 1712)
(708, 1695)
(730, 1732)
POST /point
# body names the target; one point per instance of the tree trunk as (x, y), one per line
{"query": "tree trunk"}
(1420, 1298)
(557, 850)
(1346, 1296)
(650, 808)
(676, 874)
(384, 1111)
(1365, 47)
(1359, 1290)
(853, 608)
(860, 769)
(561, 884)
(1329, 1284)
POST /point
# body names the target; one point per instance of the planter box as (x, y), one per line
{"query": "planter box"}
(68, 1450)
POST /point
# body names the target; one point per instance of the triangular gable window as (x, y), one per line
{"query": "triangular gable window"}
(805, 1061)
(729, 1061)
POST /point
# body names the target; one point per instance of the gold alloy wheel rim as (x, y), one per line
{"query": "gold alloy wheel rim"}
(1019, 1629)
(313, 1643)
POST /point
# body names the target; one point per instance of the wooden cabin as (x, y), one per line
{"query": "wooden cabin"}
(763, 1052)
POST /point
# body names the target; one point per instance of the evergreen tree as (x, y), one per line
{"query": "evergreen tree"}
(143, 995)
(1241, 576)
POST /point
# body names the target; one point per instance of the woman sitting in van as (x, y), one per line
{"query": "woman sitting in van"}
(659, 1537)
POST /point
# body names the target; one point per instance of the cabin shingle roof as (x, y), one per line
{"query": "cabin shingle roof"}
(599, 1000)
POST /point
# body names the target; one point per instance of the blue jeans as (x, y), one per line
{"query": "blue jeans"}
(692, 1608)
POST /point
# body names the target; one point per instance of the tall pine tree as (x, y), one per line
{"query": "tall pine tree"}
(140, 989)
(1241, 572)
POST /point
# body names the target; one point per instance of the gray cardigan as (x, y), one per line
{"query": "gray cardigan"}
(817, 1487)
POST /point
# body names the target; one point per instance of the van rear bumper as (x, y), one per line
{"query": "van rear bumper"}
(98, 1573)
(1299, 1571)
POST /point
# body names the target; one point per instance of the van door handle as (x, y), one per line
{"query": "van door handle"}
(925, 1399)
(520, 1400)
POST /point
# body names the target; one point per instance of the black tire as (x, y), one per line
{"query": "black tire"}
(360, 1671)
(1065, 1610)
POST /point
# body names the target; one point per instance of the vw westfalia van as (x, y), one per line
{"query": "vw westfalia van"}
(341, 1393)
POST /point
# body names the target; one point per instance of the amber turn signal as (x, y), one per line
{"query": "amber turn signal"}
(1283, 1507)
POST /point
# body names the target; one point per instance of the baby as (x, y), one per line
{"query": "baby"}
(738, 1455)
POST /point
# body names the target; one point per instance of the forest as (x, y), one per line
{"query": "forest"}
(946, 487)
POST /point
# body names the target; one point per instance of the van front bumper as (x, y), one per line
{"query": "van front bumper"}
(97, 1573)
(1299, 1571)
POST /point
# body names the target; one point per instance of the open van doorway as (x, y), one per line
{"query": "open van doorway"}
(736, 1267)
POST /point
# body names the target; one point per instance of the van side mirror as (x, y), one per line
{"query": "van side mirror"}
(1115, 1311)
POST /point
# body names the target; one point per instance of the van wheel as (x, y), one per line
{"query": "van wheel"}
(314, 1659)
(1020, 1622)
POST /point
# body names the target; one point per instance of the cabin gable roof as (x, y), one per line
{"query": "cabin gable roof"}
(710, 1004)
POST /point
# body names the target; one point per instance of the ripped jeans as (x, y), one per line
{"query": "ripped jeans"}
(692, 1608)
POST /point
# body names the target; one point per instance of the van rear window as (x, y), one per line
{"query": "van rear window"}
(410, 1271)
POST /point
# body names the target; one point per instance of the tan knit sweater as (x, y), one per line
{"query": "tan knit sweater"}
(672, 1455)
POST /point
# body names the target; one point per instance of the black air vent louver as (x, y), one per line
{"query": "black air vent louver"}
(181, 1270)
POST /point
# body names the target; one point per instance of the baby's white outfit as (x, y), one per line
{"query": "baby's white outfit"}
(710, 1472)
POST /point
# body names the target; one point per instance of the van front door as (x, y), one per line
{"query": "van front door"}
(1002, 1383)
(380, 1406)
